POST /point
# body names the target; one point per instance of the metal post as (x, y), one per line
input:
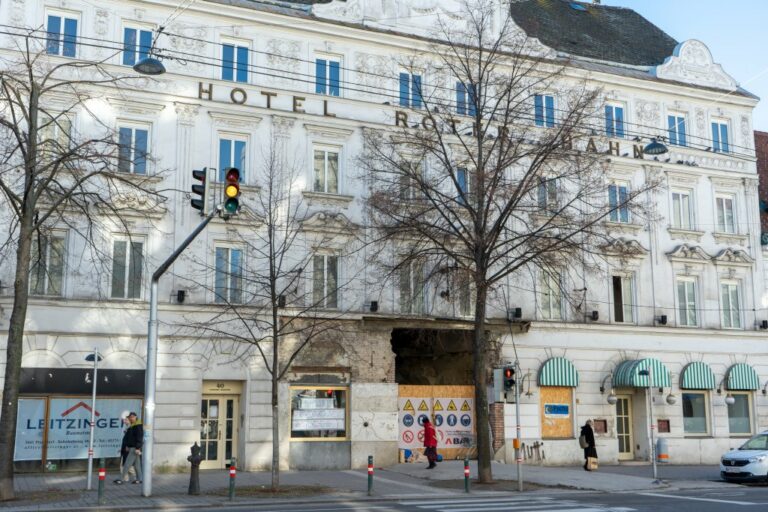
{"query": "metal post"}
(89, 482)
(653, 425)
(466, 474)
(102, 477)
(370, 475)
(518, 451)
(232, 477)
(151, 372)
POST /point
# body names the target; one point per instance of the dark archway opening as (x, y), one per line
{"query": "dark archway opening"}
(432, 357)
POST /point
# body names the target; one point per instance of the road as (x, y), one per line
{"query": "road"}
(738, 498)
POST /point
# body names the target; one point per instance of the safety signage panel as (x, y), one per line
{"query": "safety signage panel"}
(453, 419)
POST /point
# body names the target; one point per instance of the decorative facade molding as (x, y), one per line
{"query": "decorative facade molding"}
(692, 63)
(685, 179)
(627, 228)
(282, 125)
(730, 238)
(186, 113)
(733, 257)
(689, 235)
(284, 58)
(625, 248)
(328, 222)
(688, 254)
(234, 121)
(136, 108)
(327, 200)
(325, 131)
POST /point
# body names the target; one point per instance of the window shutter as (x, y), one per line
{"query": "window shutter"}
(54, 35)
(129, 46)
(242, 64)
(70, 37)
(405, 90)
(227, 61)
(334, 84)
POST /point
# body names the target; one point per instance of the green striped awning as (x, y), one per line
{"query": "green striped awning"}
(743, 377)
(558, 371)
(697, 375)
(627, 374)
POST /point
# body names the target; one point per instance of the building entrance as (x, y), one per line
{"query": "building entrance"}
(219, 424)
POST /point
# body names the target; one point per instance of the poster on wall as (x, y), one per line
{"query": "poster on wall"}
(453, 419)
(68, 427)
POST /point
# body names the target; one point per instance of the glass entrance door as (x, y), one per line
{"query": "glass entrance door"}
(624, 427)
(218, 431)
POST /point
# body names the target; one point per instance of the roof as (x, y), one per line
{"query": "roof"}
(612, 34)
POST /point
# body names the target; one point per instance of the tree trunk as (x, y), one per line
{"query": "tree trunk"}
(275, 439)
(480, 373)
(14, 350)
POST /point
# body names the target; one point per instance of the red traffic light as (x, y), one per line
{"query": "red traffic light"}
(508, 373)
(233, 175)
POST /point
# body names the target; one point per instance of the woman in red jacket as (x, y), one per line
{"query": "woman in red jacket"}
(430, 444)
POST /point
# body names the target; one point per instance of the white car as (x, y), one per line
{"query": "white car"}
(748, 463)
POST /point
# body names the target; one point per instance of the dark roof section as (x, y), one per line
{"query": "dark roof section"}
(612, 34)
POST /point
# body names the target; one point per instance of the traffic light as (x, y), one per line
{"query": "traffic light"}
(509, 378)
(232, 191)
(201, 190)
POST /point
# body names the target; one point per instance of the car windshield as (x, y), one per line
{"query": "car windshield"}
(759, 442)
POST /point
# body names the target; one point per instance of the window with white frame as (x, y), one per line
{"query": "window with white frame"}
(46, 275)
(695, 412)
(614, 121)
(682, 209)
(720, 139)
(127, 268)
(618, 196)
(234, 62)
(726, 220)
(133, 148)
(228, 277)
(61, 36)
(676, 129)
(410, 91)
(547, 195)
(232, 153)
(544, 110)
(623, 298)
(550, 295)
(326, 170)
(412, 288)
(730, 304)
(328, 76)
(740, 413)
(686, 302)
(325, 281)
(466, 99)
(54, 135)
(137, 42)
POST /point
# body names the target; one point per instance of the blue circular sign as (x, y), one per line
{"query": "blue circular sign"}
(466, 420)
(451, 420)
(407, 420)
(422, 417)
(438, 420)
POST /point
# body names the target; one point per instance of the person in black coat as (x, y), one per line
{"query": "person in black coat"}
(589, 436)
(133, 440)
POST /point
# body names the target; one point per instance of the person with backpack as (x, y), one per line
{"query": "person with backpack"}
(587, 441)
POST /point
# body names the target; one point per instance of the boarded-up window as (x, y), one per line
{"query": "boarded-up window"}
(556, 410)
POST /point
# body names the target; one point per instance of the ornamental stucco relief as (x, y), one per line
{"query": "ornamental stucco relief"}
(692, 63)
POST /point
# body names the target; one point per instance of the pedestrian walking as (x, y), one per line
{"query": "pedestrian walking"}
(131, 449)
(587, 441)
(430, 444)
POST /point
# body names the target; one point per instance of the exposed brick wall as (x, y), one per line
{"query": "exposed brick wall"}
(496, 412)
(761, 149)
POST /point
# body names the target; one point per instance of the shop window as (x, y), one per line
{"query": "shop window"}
(695, 413)
(318, 413)
(556, 410)
(740, 414)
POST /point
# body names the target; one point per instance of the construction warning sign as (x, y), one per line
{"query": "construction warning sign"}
(452, 416)
(437, 405)
(408, 406)
(465, 406)
(423, 406)
(451, 406)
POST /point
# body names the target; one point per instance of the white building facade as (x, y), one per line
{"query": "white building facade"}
(691, 306)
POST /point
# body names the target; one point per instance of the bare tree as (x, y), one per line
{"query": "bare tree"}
(53, 176)
(489, 179)
(289, 296)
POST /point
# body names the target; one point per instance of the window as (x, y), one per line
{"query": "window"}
(617, 200)
(720, 136)
(62, 36)
(133, 150)
(54, 134)
(731, 309)
(136, 45)
(410, 90)
(127, 268)
(229, 275)
(463, 287)
(547, 195)
(544, 110)
(623, 295)
(326, 171)
(319, 412)
(682, 210)
(740, 414)
(231, 154)
(234, 63)
(686, 302)
(412, 288)
(466, 100)
(327, 77)
(726, 222)
(676, 129)
(325, 281)
(462, 182)
(47, 273)
(551, 297)
(614, 121)
(695, 413)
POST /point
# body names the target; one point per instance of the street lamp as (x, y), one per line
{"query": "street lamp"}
(655, 148)
(150, 65)
(92, 358)
(649, 372)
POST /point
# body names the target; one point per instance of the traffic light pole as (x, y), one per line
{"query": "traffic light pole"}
(151, 373)
(519, 446)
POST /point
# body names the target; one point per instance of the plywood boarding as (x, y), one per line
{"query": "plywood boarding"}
(556, 426)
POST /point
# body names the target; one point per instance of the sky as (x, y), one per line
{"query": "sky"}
(736, 32)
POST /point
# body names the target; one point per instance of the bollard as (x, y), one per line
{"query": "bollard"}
(232, 476)
(466, 475)
(194, 476)
(370, 475)
(102, 478)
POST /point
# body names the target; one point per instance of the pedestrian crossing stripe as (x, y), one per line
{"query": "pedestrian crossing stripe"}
(438, 406)
(451, 406)
(408, 406)
(423, 406)
(465, 406)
